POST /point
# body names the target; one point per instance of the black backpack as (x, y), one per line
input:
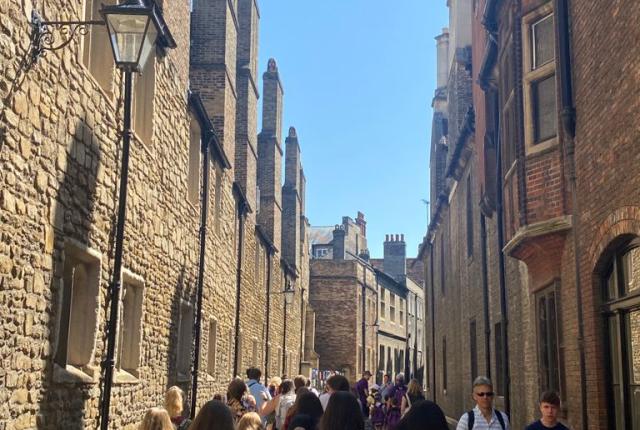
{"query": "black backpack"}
(471, 418)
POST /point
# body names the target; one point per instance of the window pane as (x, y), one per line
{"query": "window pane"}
(543, 44)
(554, 382)
(631, 270)
(612, 292)
(544, 108)
(614, 353)
(543, 342)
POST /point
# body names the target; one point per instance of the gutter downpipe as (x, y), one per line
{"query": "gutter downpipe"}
(364, 322)
(302, 327)
(241, 214)
(568, 117)
(267, 307)
(485, 296)
(433, 326)
(502, 278)
(201, 262)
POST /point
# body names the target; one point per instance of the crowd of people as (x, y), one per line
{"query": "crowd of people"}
(292, 404)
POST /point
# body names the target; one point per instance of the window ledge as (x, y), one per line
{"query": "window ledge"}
(209, 378)
(74, 375)
(122, 377)
(182, 377)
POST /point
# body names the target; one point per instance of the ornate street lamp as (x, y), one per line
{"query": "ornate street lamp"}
(134, 28)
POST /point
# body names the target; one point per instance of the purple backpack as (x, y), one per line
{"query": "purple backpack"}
(377, 414)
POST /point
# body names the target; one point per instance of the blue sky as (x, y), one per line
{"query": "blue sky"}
(358, 77)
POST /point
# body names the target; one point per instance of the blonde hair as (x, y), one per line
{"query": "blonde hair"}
(156, 419)
(275, 381)
(173, 401)
(250, 421)
(414, 388)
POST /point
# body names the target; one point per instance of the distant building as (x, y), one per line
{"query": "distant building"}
(388, 304)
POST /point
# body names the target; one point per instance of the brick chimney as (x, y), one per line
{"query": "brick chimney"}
(338, 242)
(215, 44)
(395, 256)
(270, 155)
(247, 102)
(291, 201)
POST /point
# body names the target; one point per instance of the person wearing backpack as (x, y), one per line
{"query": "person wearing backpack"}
(398, 391)
(483, 416)
(280, 403)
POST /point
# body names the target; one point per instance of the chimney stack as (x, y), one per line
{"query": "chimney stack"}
(443, 58)
(338, 242)
(395, 256)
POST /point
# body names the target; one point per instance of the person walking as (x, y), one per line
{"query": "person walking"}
(306, 404)
(173, 403)
(386, 386)
(549, 407)
(483, 416)
(239, 400)
(423, 414)
(156, 419)
(250, 421)
(413, 394)
(334, 383)
(214, 415)
(257, 390)
(280, 404)
(343, 413)
(362, 392)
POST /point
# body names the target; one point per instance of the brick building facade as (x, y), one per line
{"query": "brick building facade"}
(60, 150)
(387, 303)
(554, 256)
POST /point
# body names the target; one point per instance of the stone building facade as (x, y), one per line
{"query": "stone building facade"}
(60, 150)
(547, 165)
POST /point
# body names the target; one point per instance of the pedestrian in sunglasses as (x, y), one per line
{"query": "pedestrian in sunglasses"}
(483, 416)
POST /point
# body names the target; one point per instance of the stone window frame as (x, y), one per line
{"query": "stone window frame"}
(194, 161)
(88, 372)
(544, 340)
(217, 199)
(401, 313)
(184, 333)
(212, 348)
(383, 293)
(95, 53)
(392, 307)
(532, 76)
(130, 374)
(144, 91)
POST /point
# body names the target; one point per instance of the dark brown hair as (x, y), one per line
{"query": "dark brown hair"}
(343, 413)
(237, 388)
(550, 397)
(214, 415)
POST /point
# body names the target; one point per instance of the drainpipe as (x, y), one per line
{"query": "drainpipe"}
(241, 214)
(203, 240)
(267, 313)
(364, 322)
(485, 297)
(284, 331)
(502, 277)
(433, 326)
(568, 116)
(302, 324)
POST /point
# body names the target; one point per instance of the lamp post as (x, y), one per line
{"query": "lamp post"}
(134, 28)
(288, 292)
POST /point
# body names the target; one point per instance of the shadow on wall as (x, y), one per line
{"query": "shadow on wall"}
(180, 335)
(70, 381)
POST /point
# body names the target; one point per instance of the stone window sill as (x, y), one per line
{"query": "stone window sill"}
(122, 377)
(74, 375)
(183, 377)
